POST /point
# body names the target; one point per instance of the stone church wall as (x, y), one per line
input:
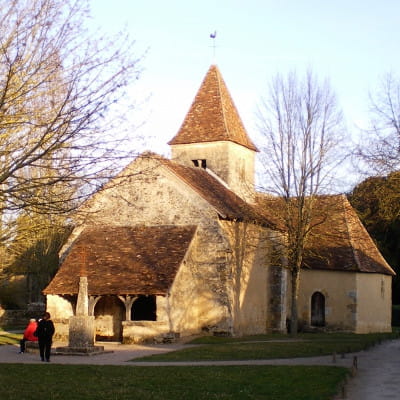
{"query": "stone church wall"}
(357, 302)
(374, 303)
(249, 277)
(191, 307)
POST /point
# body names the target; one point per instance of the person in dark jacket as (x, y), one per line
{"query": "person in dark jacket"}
(29, 334)
(44, 333)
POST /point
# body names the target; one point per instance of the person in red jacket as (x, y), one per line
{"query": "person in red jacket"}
(29, 334)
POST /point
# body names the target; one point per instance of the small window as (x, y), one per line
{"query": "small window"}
(200, 163)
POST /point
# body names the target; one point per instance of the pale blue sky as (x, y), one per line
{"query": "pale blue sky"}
(350, 42)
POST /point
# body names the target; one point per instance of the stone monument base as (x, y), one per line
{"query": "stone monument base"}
(81, 338)
(80, 351)
(81, 331)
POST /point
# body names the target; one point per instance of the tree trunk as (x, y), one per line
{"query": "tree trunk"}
(294, 320)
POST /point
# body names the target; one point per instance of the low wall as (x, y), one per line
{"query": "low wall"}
(143, 331)
(19, 317)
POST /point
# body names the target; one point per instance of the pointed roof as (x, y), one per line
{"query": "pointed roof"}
(213, 116)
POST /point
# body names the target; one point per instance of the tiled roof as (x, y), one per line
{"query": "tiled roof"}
(124, 260)
(213, 116)
(226, 202)
(338, 240)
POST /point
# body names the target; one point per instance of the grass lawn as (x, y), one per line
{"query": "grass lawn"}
(272, 346)
(9, 338)
(52, 381)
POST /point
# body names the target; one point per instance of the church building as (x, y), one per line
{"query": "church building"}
(184, 246)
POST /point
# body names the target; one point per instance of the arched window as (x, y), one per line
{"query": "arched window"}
(318, 309)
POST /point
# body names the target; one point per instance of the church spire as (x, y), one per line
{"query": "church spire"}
(212, 136)
(213, 116)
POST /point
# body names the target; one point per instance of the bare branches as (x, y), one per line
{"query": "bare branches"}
(380, 146)
(59, 90)
(302, 128)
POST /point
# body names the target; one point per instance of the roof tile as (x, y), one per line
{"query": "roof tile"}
(124, 260)
(213, 116)
(338, 240)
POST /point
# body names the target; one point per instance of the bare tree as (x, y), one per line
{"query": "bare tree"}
(59, 94)
(380, 146)
(302, 129)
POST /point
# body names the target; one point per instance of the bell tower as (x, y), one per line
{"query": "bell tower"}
(212, 136)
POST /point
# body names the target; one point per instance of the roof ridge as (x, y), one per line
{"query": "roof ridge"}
(231, 206)
(170, 164)
(219, 77)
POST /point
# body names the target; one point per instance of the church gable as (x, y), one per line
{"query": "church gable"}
(149, 193)
(154, 190)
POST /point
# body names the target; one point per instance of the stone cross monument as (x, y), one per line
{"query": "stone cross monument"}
(81, 325)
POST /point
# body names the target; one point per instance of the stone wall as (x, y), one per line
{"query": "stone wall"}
(143, 331)
(20, 318)
(17, 318)
(374, 300)
(357, 302)
(249, 282)
(340, 292)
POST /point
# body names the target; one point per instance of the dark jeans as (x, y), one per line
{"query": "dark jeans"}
(22, 345)
(44, 349)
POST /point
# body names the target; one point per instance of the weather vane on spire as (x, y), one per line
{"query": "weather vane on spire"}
(213, 36)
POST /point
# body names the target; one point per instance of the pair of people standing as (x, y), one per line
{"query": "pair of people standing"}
(41, 332)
